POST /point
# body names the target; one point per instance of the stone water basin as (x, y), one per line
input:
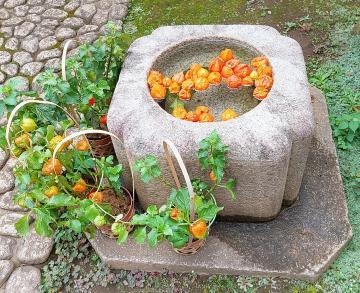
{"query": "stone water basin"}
(269, 143)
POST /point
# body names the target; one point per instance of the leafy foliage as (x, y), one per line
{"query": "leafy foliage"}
(148, 168)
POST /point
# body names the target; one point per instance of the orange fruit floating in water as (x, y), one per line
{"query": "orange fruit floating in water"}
(158, 91)
(179, 112)
(206, 117)
(216, 64)
(260, 93)
(201, 83)
(214, 78)
(226, 54)
(155, 77)
(233, 82)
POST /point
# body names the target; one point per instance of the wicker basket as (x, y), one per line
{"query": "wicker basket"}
(101, 145)
(106, 229)
(193, 245)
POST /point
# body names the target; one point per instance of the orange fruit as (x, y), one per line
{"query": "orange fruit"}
(242, 70)
(202, 72)
(178, 77)
(23, 141)
(233, 82)
(212, 176)
(55, 141)
(174, 87)
(264, 81)
(51, 191)
(264, 70)
(187, 84)
(247, 81)
(192, 116)
(154, 77)
(260, 93)
(206, 117)
(80, 186)
(232, 63)
(226, 54)
(96, 196)
(216, 64)
(201, 83)
(228, 114)
(166, 81)
(51, 167)
(214, 78)
(174, 214)
(184, 95)
(257, 61)
(201, 109)
(226, 72)
(158, 91)
(179, 112)
(82, 145)
(198, 229)
(254, 74)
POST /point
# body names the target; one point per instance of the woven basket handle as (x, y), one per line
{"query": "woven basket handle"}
(167, 144)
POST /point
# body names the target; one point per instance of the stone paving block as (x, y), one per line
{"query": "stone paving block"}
(7, 246)
(300, 243)
(7, 202)
(34, 249)
(7, 223)
(6, 267)
(25, 279)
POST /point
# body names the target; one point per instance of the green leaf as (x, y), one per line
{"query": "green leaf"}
(2, 108)
(208, 210)
(153, 238)
(354, 125)
(148, 168)
(140, 235)
(75, 225)
(91, 212)
(22, 225)
(122, 234)
(230, 185)
(42, 223)
(343, 125)
(180, 198)
(152, 210)
(61, 200)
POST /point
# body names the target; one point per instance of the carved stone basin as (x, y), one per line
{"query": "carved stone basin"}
(269, 143)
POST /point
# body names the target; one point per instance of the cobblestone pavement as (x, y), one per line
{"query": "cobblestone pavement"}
(32, 35)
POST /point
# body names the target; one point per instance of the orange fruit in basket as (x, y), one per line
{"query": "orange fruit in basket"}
(226, 54)
(201, 83)
(216, 64)
(214, 78)
(206, 117)
(257, 61)
(228, 114)
(233, 82)
(52, 166)
(260, 93)
(264, 70)
(82, 145)
(23, 141)
(174, 87)
(51, 191)
(179, 112)
(264, 81)
(80, 186)
(192, 116)
(154, 77)
(96, 196)
(184, 95)
(198, 229)
(226, 72)
(158, 91)
(202, 72)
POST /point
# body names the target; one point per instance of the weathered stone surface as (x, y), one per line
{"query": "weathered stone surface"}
(37, 9)
(101, 17)
(12, 21)
(118, 11)
(43, 32)
(3, 157)
(1, 41)
(86, 12)
(50, 23)
(6, 267)
(7, 245)
(13, 3)
(55, 3)
(276, 134)
(5, 57)
(24, 29)
(88, 38)
(87, 29)
(2, 77)
(35, 2)
(300, 243)
(33, 18)
(34, 249)
(22, 81)
(64, 33)
(32, 68)
(10, 69)
(55, 14)
(7, 31)
(24, 279)
(7, 202)
(48, 54)
(7, 222)
(4, 14)
(73, 22)
(47, 43)
(30, 44)
(72, 5)
(54, 63)
(12, 44)
(21, 10)
(22, 58)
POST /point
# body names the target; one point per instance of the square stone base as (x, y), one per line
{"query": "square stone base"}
(300, 243)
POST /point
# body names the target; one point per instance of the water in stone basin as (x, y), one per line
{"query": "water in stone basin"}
(217, 98)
